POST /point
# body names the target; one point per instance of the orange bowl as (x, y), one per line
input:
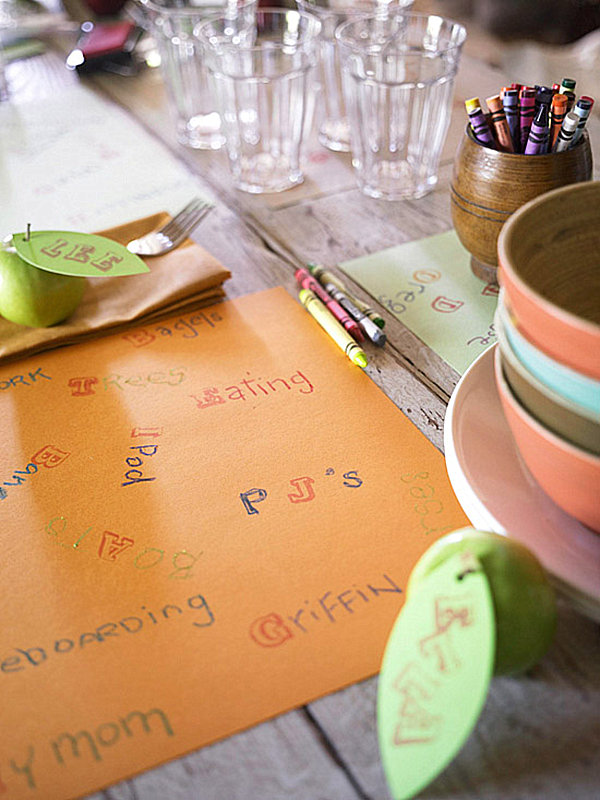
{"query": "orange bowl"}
(548, 254)
(569, 475)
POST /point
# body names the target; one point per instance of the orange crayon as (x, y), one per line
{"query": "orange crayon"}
(559, 109)
(499, 123)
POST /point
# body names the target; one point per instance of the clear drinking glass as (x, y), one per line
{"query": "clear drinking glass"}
(262, 75)
(334, 131)
(398, 77)
(171, 24)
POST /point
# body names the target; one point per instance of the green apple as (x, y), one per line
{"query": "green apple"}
(524, 603)
(35, 297)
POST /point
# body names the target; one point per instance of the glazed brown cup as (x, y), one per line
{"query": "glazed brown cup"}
(489, 185)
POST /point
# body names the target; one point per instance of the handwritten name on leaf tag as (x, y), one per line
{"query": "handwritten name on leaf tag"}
(435, 674)
(83, 254)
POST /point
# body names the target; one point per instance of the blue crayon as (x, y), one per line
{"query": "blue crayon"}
(537, 142)
(510, 101)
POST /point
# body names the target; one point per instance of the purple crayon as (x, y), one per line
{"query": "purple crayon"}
(537, 142)
(479, 124)
(526, 113)
(510, 101)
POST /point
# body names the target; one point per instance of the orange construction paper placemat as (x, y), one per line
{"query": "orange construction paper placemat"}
(203, 525)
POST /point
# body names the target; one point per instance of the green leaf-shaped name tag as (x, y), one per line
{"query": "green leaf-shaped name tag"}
(435, 674)
(84, 254)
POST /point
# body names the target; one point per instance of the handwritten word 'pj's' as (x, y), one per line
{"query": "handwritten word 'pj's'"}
(249, 388)
(436, 658)
(186, 327)
(49, 457)
(86, 386)
(302, 490)
(110, 546)
(23, 380)
(274, 629)
(76, 748)
(428, 507)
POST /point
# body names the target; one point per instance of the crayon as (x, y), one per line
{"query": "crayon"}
(559, 109)
(332, 327)
(306, 281)
(537, 142)
(526, 113)
(510, 101)
(570, 99)
(565, 135)
(582, 109)
(500, 124)
(376, 335)
(568, 84)
(325, 276)
(479, 124)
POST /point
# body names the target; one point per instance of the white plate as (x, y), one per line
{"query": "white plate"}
(498, 493)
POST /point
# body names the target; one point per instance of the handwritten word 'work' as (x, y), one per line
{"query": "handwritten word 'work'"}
(23, 380)
(86, 386)
(188, 327)
(249, 388)
(303, 491)
(82, 254)
(428, 507)
(49, 457)
(110, 546)
(274, 629)
(32, 657)
(85, 744)
(435, 660)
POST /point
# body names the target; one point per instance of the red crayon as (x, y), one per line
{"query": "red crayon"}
(306, 281)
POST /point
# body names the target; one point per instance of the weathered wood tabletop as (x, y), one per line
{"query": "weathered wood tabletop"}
(539, 735)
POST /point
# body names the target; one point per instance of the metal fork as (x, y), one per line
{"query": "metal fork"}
(173, 232)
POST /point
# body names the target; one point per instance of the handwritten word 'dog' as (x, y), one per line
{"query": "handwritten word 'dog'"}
(85, 386)
(303, 491)
(274, 629)
(49, 457)
(251, 388)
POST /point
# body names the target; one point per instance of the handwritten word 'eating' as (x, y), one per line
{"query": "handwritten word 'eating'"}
(249, 388)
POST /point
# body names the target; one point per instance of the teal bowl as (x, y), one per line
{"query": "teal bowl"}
(565, 381)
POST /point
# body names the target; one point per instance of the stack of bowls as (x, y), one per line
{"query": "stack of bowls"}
(548, 358)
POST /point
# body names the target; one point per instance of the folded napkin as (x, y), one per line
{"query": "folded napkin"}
(178, 282)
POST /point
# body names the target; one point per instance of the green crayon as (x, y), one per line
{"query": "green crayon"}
(325, 276)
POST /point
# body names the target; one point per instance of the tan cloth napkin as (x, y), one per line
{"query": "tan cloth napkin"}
(180, 281)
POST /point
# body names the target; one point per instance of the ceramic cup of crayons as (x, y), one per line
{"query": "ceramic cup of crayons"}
(529, 140)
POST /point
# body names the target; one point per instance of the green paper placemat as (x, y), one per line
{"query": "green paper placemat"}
(428, 285)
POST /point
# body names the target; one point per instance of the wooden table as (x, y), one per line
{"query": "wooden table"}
(539, 735)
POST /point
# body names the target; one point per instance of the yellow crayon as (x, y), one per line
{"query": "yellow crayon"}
(330, 325)
(325, 276)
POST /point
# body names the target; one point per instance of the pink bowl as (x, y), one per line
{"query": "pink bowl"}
(570, 476)
(548, 254)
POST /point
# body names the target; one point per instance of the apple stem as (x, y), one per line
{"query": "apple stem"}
(28, 234)
(462, 575)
